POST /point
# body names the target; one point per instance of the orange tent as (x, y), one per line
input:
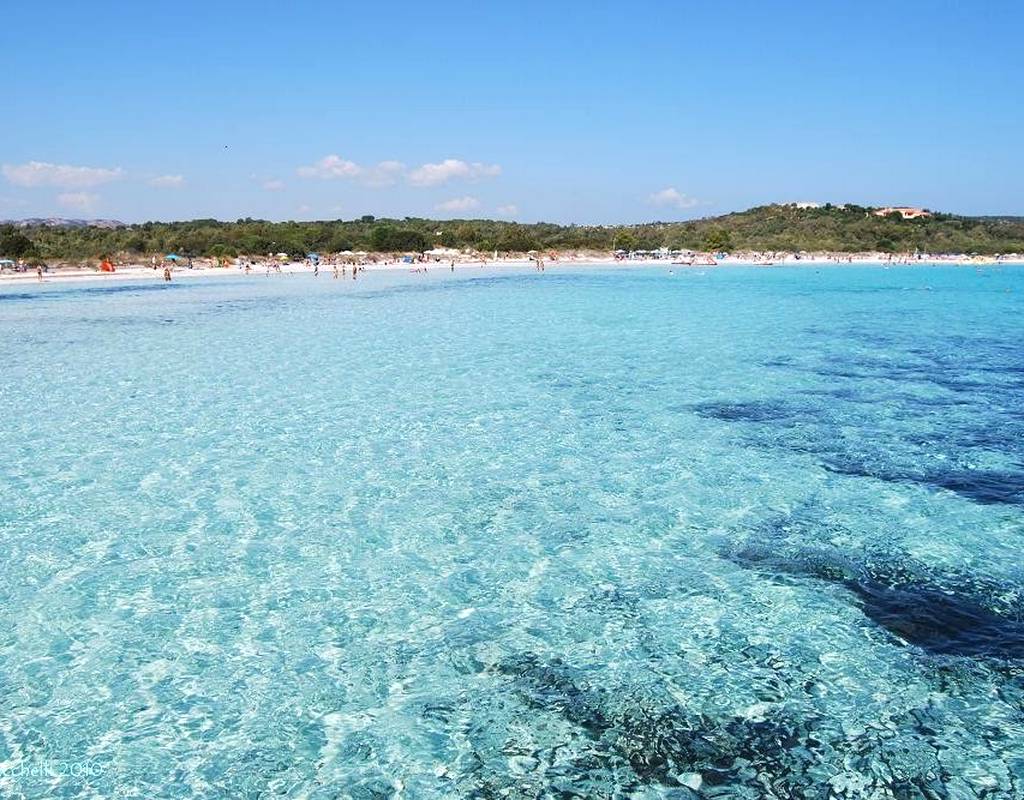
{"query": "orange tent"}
(106, 266)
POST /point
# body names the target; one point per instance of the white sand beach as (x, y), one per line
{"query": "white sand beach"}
(204, 268)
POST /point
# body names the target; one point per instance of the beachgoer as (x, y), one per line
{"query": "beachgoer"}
(316, 270)
(167, 274)
(335, 271)
(39, 272)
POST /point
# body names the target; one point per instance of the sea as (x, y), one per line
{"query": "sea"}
(592, 532)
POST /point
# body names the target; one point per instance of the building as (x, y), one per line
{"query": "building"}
(907, 212)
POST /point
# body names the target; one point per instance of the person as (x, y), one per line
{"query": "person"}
(335, 271)
(39, 272)
(316, 269)
(153, 262)
(167, 274)
(453, 265)
(248, 267)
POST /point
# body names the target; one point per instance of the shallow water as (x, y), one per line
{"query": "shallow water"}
(723, 533)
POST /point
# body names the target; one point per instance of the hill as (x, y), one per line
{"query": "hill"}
(62, 222)
(773, 228)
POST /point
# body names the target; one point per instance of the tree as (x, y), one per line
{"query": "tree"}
(15, 245)
(625, 240)
(338, 242)
(466, 234)
(389, 239)
(221, 250)
(136, 244)
(517, 240)
(448, 238)
(772, 227)
(717, 239)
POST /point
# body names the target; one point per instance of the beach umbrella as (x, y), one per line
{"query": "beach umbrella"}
(172, 257)
(6, 261)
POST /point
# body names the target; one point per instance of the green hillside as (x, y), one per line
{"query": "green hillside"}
(773, 227)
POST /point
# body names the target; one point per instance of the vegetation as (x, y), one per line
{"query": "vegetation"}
(14, 244)
(775, 227)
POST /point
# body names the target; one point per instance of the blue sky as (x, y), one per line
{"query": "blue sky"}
(570, 112)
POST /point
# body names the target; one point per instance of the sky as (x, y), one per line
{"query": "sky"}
(588, 112)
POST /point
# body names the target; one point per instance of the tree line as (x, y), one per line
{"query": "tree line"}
(772, 228)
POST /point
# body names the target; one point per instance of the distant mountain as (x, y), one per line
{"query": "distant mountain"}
(61, 222)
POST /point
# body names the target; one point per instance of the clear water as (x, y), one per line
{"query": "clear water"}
(723, 533)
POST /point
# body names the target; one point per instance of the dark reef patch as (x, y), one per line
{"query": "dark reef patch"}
(749, 411)
(554, 686)
(985, 486)
(781, 755)
(946, 615)
(947, 624)
(659, 744)
(936, 442)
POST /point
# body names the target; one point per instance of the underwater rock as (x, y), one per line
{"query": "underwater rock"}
(748, 411)
(941, 617)
(556, 686)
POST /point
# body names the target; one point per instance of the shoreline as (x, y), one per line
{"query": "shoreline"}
(141, 271)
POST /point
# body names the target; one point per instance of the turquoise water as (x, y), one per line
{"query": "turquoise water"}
(725, 533)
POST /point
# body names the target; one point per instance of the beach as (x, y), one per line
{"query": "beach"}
(139, 270)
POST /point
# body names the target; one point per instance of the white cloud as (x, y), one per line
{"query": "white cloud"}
(334, 167)
(331, 167)
(672, 197)
(81, 201)
(63, 176)
(385, 173)
(273, 185)
(511, 210)
(389, 172)
(168, 181)
(466, 203)
(449, 169)
(305, 208)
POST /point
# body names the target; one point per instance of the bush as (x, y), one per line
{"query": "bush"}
(388, 239)
(16, 245)
(717, 240)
